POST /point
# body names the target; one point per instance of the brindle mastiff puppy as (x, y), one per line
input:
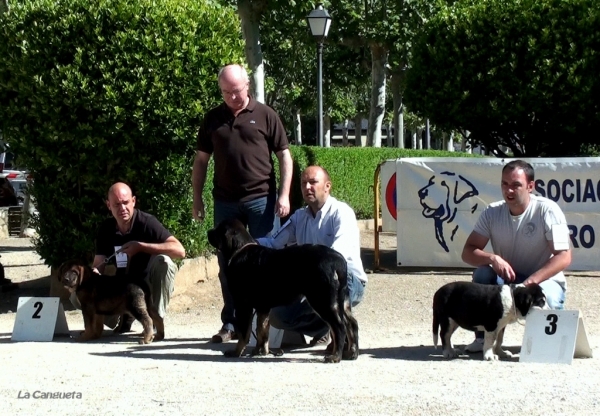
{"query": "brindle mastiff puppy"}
(261, 278)
(102, 295)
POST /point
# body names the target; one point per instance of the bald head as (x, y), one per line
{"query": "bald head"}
(121, 202)
(316, 185)
(119, 188)
(317, 171)
(234, 83)
(233, 74)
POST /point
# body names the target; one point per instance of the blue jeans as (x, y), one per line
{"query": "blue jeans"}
(555, 294)
(259, 216)
(300, 316)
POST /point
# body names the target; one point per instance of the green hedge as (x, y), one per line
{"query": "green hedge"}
(517, 73)
(352, 171)
(98, 91)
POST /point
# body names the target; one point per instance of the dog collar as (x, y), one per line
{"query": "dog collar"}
(235, 253)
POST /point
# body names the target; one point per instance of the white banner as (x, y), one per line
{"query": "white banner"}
(440, 199)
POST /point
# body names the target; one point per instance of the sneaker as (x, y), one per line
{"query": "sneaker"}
(325, 339)
(475, 346)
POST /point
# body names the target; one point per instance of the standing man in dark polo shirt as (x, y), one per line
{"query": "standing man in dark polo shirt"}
(241, 134)
(144, 248)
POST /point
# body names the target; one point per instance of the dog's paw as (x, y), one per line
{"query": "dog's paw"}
(503, 354)
(260, 351)
(332, 358)
(83, 337)
(350, 354)
(490, 356)
(232, 353)
(451, 353)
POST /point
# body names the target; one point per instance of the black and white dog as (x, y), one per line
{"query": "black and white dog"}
(489, 308)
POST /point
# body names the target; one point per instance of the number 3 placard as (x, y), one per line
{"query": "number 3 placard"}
(39, 319)
(554, 336)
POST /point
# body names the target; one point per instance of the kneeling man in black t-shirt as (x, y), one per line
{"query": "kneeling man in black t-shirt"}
(140, 246)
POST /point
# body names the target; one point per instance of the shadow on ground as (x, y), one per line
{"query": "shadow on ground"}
(203, 350)
(427, 353)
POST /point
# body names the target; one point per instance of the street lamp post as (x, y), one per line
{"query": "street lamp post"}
(319, 22)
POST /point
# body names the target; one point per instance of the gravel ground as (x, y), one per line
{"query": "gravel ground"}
(398, 371)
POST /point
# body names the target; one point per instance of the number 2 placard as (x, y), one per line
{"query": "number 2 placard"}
(39, 319)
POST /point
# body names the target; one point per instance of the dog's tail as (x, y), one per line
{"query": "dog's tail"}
(436, 329)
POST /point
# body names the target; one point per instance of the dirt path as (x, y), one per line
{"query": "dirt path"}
(398, 371)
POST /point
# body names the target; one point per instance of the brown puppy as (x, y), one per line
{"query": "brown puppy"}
(102, 295)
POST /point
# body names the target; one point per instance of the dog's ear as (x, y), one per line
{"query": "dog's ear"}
(526, 297)
(62, 269)
(212, 238)
(84, 272)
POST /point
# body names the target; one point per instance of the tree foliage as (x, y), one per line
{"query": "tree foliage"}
(98, 91)
(518, 73)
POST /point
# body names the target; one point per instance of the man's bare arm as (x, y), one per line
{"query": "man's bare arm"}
(286, 169)
(198, 180)
(474, 254)
(555, 264)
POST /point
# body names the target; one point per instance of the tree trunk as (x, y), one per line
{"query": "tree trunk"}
(250, 13)
(465, 146)
(450, 144)
(420, 138)
(345, 133)
(398, 119)
(298, 128)
(390, 137)
(414, 139)
(378, 62)
(359, 141)
(427, 135)
(326, 131)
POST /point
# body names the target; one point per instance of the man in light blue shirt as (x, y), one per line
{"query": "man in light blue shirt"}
(326, 221)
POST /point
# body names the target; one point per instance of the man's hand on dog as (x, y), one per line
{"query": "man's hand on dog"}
(503, 269)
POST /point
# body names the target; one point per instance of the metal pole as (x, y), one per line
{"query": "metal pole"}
(320, 92)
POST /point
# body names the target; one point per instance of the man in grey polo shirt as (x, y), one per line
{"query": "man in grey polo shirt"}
(529, 237)
(241, 134)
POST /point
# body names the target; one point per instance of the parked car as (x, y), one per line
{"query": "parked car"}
(8, 196)
(18, 177)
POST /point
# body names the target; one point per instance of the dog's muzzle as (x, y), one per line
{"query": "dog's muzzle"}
(69, 281)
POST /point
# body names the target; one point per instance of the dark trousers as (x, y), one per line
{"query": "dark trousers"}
(259, 216)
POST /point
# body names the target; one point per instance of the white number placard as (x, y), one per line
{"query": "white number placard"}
(554, 336)
(39, 319)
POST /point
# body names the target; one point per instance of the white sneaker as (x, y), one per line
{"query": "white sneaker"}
(475, 346)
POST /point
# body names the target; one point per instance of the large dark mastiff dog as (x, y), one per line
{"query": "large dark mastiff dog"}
(102, 295)
(261, 278)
